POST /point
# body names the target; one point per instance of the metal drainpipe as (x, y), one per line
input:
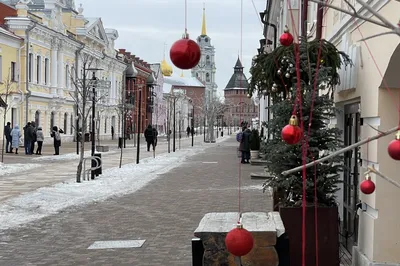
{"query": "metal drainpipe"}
(28, 92)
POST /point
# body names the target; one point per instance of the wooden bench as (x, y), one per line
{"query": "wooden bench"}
(214, 227)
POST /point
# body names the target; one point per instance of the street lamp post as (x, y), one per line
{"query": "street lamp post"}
(139, 126)
(174, 126)
(192, 129)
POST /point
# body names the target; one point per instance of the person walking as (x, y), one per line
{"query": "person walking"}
(57, 140)
(187, 131)
(15, 136)
(40, 139)
(149, 136)
(245, 145)
(7, 134)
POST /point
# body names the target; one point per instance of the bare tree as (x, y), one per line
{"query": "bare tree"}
(5, 93)
(83, 96)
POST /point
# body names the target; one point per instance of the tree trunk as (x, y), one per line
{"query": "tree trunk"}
(81, 158)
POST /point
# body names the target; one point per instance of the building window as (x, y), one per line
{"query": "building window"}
(46, 71)
(67, 83)
(52, 118)
(105, 125)
(38, 69)
(13, 71)
(37, 118)
(207, 77)
(30, 67)
(208, 61)
(65, 123)
(71, 126)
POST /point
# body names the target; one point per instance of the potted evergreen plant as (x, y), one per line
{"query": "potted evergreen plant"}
(254, 144)
(277, 71)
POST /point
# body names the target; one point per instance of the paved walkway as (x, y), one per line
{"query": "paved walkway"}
(164, 213)
(52, 172)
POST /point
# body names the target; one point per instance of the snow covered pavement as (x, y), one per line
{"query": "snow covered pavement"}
(47, 200)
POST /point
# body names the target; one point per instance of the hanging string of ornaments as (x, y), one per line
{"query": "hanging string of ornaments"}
(292, 133)
(239, 242)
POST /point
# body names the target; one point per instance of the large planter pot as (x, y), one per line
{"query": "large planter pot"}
(254, 155)
(328, 235)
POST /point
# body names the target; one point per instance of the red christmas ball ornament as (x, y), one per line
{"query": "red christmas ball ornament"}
(394, 147)
(292, 133)
(286, 38)
(185, 53)
(239, 241)
(367, 186)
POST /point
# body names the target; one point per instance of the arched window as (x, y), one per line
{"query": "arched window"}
(207, 77)
(37, 118)
(65, 123)
(52, 120)
(208, 60)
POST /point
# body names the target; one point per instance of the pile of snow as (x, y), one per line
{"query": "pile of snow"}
(113, 182)
(6, 169)
(67, 156)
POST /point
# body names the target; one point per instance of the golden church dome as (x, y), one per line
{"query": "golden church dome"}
(166, 69)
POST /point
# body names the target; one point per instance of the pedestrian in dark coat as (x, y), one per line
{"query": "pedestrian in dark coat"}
(7, 134)
(245, 145)
(149, 136)
(28, 137)
(34, 129)
(57, 140)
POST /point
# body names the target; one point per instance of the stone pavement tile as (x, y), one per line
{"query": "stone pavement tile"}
(165, 213)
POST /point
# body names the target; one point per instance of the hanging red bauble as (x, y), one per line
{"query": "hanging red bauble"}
(367, 186)
(292, 133)
(239, 241)
(185, 53)
(394, 147)
(286, 38)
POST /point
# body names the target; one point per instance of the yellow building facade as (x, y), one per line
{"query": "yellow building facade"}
(9, 77)
(368, 96)
(59, 47)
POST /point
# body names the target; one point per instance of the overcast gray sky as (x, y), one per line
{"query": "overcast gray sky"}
(145, 25)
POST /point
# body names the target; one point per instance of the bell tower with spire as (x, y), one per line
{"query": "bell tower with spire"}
(205, 70)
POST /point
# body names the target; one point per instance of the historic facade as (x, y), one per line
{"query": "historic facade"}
(60, 46)
(159, 104)
(239, 106)
(140, 82)
(10, 92)
(189, 95)
(205, 70)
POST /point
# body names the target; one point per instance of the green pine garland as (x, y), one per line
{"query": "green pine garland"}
(264, 69)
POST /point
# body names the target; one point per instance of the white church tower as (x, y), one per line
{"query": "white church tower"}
(205, 70)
